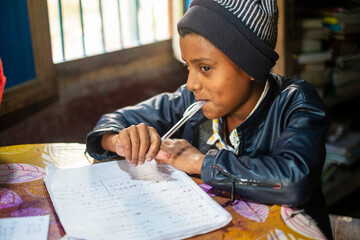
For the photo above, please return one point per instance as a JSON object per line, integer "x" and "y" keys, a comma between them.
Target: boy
{"x": 258, "y": 135}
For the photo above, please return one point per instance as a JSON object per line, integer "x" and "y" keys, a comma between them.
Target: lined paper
{"x": 115, "y": 200}
{"x": 19, "y": 228}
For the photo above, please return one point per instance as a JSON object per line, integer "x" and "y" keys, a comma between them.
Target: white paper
{"x": 66, "y": 155}
{"x": 30, "y": 228}
{"x": 113, "y": 200}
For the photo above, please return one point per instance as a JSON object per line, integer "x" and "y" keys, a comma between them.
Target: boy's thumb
{"x": 162, "y": 155}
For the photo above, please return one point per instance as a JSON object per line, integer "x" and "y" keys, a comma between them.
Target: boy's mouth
{"x": 206, "y": 102}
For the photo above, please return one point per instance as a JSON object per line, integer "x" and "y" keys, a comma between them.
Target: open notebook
{"x": 113, "y": 200}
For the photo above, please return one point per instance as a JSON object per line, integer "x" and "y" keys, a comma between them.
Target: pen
{"x": 189, "y": 112}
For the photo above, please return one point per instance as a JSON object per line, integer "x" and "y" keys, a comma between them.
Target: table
{"x": 23, "y": 193}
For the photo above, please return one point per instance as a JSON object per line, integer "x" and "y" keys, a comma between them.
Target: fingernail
{"x": 149, "y": 159}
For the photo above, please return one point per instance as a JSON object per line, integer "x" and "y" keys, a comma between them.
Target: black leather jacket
{"x": 281, "y": 151}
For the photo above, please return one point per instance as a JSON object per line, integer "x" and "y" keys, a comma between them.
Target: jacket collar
{"x": 258, "y": 115}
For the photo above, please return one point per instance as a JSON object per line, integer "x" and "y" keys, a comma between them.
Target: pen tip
{"x": 201, "y": 103}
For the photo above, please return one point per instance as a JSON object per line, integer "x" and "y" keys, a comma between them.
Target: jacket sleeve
{"x": 161, "y": 111}
{"x": 289, "y": 172}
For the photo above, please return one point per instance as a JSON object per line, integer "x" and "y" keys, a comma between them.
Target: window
{"x": 79, "y": 36}
{"x": 80, "y": 28}
{"x": 30, "y": 54}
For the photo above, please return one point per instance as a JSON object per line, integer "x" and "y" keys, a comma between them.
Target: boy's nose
{"x": 193, "y": 82}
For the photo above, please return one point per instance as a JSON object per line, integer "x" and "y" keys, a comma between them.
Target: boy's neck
{"x": 234, "y": 120}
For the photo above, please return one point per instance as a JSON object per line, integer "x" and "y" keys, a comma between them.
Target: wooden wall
{"x": 87, "y": 92}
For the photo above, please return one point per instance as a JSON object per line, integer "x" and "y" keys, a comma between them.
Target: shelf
{"x": 346, "y": 182}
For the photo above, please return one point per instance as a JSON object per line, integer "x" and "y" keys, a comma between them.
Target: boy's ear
{"x": 252, "y": 79}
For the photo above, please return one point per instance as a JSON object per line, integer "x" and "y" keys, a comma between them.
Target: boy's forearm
{"x": 108, "y": 141}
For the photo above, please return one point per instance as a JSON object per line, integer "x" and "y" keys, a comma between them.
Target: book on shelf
{"x": 322, "y": 35}
{"x": 341, "y": 159}
{"x": 346, "y": 145}
{"x": 315, "y": 33}
{"x": 310, "y": 28}
{"x": 310, "y": 67}
{"x": 347, "y": 91}
{"x": 344, "y": 151}
{"x": 316, "y": 78}
{"x": 344, "y": 77}
{"x": 345, "y": 46}
{"x": 316, "y": 74}
{"x": 345, "y": 37}
{"x": 344, "y": 27}
{"x": 306, "y": 45}
{"x": 314, "y": 57}
{"x": 348, "y": 9}
{"x": 348, "y": 61}
{"x": 309, "y": 54}
{"x": 309, "y": 23}
{"x": 342, "y": 20}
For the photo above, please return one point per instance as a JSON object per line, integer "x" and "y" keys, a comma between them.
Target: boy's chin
{"x": 211, "y": 115}
{"x": 209, "y": 112}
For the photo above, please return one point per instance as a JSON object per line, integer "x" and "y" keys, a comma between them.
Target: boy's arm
{"x": 289, "y": 175}
{"x": 160, "y": 112}
{"x": 108, "y": 141}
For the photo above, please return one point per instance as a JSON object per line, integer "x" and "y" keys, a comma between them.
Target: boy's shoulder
{"x": 283, "y": 82}
{"x": 295, "y": 89}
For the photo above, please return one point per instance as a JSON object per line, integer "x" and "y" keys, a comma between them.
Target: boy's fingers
{"x": 162, "y": 155}
{"x": 119, "y": 148}
{"x": 136, "y": 142}
{"x": 125, "y": 142}
{"x": 135, "y": 145}
{"x": 155, "y": 142}
{"x": 144, "y": 142}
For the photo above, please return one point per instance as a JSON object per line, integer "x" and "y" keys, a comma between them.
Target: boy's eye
{"x": 205, "y": 68}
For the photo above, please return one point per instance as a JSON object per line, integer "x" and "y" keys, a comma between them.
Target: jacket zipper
{"x": 248, "y": 182}
{"x": 254, "y": 183}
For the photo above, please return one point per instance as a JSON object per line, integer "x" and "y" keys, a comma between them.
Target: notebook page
{"x": 113, "y": 200}
{"x": 31, "y": 228}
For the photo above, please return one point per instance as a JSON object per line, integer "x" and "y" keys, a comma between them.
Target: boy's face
{"x": 213, "y": 77}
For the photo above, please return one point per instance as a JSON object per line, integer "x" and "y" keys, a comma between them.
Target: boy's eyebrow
{"x": 199, "y": 60}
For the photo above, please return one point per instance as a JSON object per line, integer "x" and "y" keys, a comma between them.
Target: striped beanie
{"x": 244, "y": 30}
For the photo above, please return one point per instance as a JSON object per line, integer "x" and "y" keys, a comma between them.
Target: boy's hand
{"x": 183, "y": 156}
{"x": 135, "y": 143}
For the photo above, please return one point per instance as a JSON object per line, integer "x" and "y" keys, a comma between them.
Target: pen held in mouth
{"x": 189, "y": 112}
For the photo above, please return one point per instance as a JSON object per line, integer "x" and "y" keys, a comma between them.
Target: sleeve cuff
{"x": 206, "y": 168}
{"x": 94, "y": 149}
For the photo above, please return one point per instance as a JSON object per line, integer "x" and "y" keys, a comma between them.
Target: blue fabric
{"x": 15, "y": 43}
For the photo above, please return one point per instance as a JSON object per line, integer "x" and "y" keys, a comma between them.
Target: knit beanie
{"x": 244, "y": 30}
